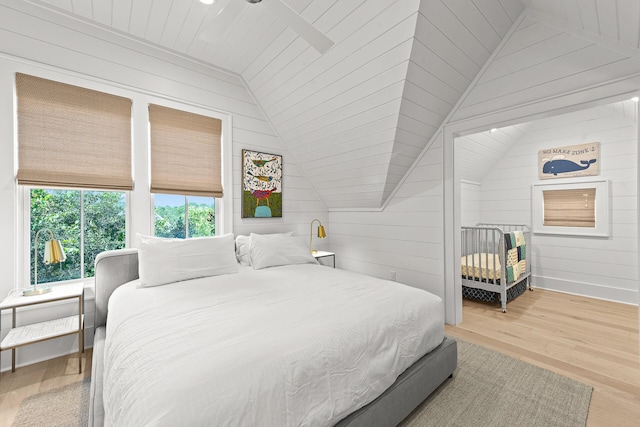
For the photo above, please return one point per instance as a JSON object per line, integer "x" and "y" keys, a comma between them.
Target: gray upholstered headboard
{"x": 113, "y": 268}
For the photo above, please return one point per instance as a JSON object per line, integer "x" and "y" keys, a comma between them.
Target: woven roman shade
{"x": 185, "y": 153}
{"x": 570, "y": 208}
{"x": 70, "y": 136}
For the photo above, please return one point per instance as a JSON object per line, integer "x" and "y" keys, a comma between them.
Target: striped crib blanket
{"x": 516, "y": 255}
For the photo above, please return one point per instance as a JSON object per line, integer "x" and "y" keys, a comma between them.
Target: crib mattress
{"x": 485, "y": 266}
{"x": 482, "y": 266}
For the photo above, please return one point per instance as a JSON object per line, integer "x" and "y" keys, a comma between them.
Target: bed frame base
{"x": 410, "y": 389}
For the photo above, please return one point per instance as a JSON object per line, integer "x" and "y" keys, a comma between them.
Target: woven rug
{"x": 487, "y": 389}
{"x": 492, "y": 389}
{"x": 66, "y": 406}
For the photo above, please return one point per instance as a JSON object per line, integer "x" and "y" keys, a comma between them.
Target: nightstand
{"x": 29, "y": 334}
{"x": 324, "y": 254}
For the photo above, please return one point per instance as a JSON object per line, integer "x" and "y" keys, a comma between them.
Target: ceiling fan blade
{"x": 222, "y": 22}
{"x": 300, "y": 25}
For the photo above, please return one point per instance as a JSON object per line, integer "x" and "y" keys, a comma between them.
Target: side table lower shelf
{"x": 42, "y": 331}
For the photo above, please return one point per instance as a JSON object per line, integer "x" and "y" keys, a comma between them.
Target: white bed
{"x": 186, "y": 335}
{"x": 257, "y": 348}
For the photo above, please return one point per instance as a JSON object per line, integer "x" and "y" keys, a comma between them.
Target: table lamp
{"x": 321, "y": 234}
{"x": 53, "y": 254}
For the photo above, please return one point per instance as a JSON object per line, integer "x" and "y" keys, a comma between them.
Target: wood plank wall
{"x": 470, "y": 203}
{"x": 406, "y": 237}
{"x": 592, "y": 266}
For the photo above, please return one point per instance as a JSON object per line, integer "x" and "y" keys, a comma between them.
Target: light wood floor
{"x": 33, "y": 379}
{"x": 589, "y": 340}
{"x": 592, "y": 341}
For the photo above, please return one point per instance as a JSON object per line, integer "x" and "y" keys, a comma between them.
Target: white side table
{"x": 42, "y": 331}
{"x": 324, "y": 254}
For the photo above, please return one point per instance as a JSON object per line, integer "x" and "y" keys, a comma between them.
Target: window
{"x": 71, "y": 138}
{"x": 185, "y": 153}
{"x": 183, "y": 216}
{"x": 85, "y": 222}
{"x": 576, "y": 207}
{"x": 186, "y": 171}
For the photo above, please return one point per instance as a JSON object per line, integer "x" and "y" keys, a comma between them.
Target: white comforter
{"x": 301, "y": 345}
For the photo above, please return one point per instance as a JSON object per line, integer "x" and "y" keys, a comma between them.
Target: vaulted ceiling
{"x": 357, "y": 116}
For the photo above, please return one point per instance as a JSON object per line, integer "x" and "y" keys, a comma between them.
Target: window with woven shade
{"x": 74, "y": 161}
{"x": 70, "y": 136}
{"x": 570, "y": 208}
{"x": 186, "y": 172}
{"x": 185, "y": 153}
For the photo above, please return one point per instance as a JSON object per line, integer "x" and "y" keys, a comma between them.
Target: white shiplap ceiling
{"x": 615, "y": 20}
{"x": 356, "y": 117}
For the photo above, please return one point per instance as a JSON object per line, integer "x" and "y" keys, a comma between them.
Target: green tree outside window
{"x": 184, "y": 216}
{"x": 62, "y": 212}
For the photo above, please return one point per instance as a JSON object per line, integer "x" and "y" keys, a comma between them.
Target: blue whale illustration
{"x": 562, "y": 166}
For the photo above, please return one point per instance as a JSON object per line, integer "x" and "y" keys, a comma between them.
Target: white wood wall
{"x": 65, "y": 49}
{"x": 470, "y": 203}
{"x": 406, "y": 237}
{"x": 597, "y": 267}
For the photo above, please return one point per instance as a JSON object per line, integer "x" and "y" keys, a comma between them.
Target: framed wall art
{"x": 576, "y": 208}
{"x": 261, "y": 185}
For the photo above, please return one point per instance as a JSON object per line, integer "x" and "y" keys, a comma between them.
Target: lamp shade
{"x": 53, "y": 252}
{"x": 321, "y": 232}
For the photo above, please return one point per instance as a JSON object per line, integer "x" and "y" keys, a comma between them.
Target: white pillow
{"x": 163, "y": 261}
{"x": 271, "y": 251}
{"x": 242, "y": 249}
{"x": 242, "y": 246}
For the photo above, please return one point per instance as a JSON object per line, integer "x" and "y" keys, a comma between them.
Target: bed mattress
{"x": 285, "y": 346}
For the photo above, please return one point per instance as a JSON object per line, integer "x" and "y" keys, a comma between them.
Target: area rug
{"x": 66, "y": 406}
{"x": 487, "y": 389}
{"x": 492, "y": 389}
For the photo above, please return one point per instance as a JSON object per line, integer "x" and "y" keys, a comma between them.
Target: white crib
{"x": 484, "y": 263}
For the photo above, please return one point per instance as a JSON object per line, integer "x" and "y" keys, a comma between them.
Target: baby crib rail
{"x": 484, "y": 261}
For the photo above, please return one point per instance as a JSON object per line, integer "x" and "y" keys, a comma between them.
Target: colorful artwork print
{"x": 261, "y": 185}
{"x": 570, "y": 161}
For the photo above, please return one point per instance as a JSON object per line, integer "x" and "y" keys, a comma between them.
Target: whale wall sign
{"x": 569, "y": 161}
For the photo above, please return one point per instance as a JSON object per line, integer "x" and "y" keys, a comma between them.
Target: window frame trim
{"x": 24, "y": 224}
{"x": 602, "y": 208}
